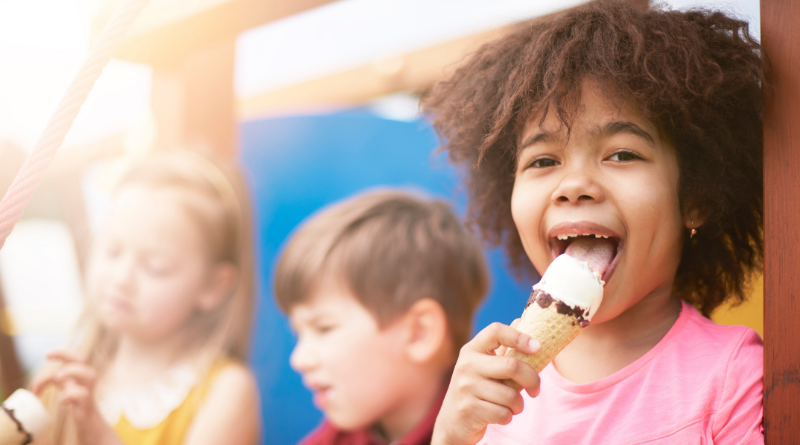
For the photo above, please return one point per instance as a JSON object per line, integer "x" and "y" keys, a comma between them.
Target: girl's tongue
{"x": 598, "y": 252}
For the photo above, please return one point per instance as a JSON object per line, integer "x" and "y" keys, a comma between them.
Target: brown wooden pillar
{"x": 12, "y": 376}
{"x": 780, "y": 35}
{"x": 193, "y": 99}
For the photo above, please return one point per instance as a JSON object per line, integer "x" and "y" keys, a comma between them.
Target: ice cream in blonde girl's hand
{"x": 628, "y": 142}
{"x": 164, "y": 339}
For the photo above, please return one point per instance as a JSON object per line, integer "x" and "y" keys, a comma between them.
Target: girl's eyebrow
{"x": 617, "y": 127}
{"x": 609, "y": 129}
{"x": 540, "y": 136}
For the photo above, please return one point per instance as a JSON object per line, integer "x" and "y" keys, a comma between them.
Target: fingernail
{"x": 534, "y": 345}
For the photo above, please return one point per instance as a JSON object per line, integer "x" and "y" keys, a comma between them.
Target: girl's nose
{"x": 303, "y": 358}
{"x": 123, "y": 273}
{"x": 578, "y": 184}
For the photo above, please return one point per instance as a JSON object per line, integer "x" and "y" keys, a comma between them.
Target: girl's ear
{"x": 224, "y": 278}
{"x": 427, "y": 331}
{"x": 693, "y": 216}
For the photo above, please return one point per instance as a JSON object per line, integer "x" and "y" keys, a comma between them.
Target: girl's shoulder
{"x": 230, "y": 411}
{"x": 213, "y": 393}
{"x": 232, "y": 375}
{"x": 698, "y": 336}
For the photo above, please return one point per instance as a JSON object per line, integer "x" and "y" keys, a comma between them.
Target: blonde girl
{"x": 164, "y": 338}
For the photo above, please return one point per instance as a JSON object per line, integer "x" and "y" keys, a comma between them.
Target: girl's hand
{"x": 476, "y": 397}
{"x": 76, "y": 380}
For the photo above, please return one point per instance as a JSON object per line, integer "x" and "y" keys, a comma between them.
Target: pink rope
{"x": 32, "y": 171}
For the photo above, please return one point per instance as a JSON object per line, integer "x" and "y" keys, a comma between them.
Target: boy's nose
{"x": 577, "y": 185}
{"x": 302, "y": 359}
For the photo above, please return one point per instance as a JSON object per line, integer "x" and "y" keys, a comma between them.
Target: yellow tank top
{"x": 173, "y": 429}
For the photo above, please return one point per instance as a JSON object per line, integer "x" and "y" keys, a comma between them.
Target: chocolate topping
{"x": 544, "y": 300}
{"x": 20, "y": 428}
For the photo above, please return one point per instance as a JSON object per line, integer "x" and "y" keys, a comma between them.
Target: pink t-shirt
{"x": 701, "y": 384}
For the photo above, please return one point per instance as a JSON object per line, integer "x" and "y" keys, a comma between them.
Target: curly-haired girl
{"x": 644, "y": 126}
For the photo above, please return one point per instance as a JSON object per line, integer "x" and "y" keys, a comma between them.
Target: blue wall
{"x": 297, "y": 165}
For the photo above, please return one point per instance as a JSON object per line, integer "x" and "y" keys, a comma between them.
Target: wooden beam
{"x": 412, "y": 72}
{"x": 780, "y": 37}
{"x": 168, "y": 45}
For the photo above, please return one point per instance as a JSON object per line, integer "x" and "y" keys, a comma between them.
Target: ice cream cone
{"x": 11, "y": 432}
{"x": 559, "y": 308}
{"x": 552, "y": 329}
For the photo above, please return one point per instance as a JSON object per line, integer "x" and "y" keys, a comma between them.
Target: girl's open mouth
{"x": 562, "y": 235}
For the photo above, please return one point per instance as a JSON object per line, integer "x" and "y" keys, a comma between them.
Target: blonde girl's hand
{"x": 476, "y": 397}
{"x": 76, "y": 380}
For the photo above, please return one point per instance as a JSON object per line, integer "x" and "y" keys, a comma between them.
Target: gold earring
{"x": 694, "y": 231}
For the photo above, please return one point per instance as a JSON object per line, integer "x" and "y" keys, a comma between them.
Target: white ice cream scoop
{"x": 27, "y": 411}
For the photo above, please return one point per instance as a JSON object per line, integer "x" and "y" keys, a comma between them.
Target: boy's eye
{"x": 325, "y": 328}
{"x": 623, "y": 156}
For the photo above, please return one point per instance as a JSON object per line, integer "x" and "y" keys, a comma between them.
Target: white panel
{"x": 351, "y": 33}
{"x": 42, "y": 287}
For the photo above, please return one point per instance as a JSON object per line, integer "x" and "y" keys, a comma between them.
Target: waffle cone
{"x": 9, "y": 433}
{"x": 553, "y": 330}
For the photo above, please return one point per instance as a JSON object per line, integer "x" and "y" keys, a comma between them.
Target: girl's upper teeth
{"x": 564, "y": 236}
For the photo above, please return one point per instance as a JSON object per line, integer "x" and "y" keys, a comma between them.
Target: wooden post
{"x": 12, "y": 376}
{"x": 780, "y": 35}
{"x": 193, "y": 100}
{"x": 192, "y": 56}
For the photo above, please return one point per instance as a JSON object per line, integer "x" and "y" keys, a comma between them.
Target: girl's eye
{"x": 112, "y": 251}
{"x": 156, "y": 269}
{"x": 623, "y": 156}
{"x": 543, "y": 163}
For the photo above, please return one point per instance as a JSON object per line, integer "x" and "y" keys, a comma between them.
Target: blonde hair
{"x": 391, "y": 249}
{"x": 215, "y": 196}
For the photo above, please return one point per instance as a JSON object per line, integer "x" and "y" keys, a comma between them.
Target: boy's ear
{"x": 224, "y": 278}
{"x": 427, "y": 331}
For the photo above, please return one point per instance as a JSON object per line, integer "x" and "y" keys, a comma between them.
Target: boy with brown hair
{"x": 381, "y": 289}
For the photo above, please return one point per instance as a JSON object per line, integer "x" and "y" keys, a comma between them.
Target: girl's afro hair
{"x": 697, "y": 75}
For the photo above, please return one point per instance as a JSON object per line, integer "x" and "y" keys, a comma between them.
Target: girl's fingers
{"x": 42, "y": 380}
{"x": 77, "y": 372}
{"x": 506, "y": 368}
{"x": 493, "y": 413}
{"x": 78, "y": 399}
{"x": 72, "y": 371}
{"x": 502, "y": 349}
{"x": 65, "y": 356}
{"x": 497, "y": 334}
{"x": 499, "y": 394}
{"x": 466, "y": 421}
{"x": 75, "y": 395}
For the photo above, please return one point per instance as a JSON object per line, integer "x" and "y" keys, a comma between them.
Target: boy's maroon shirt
{"x": 327, "y": 434}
